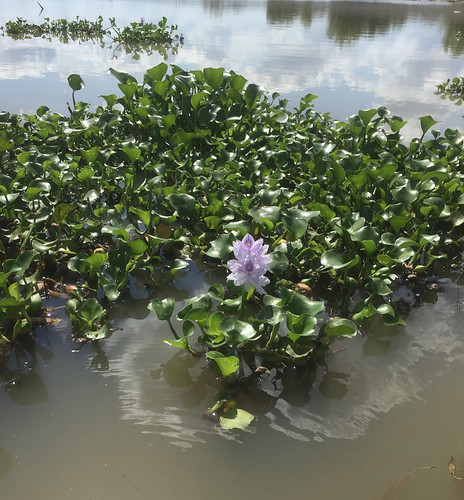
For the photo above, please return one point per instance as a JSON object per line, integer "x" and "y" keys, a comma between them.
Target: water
{"x": 124, "y": 419}
{"x": 354, "y": 55}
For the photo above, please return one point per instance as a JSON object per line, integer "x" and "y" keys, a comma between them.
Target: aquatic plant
{"x": 452, "y": 89}
{"x": 139, "y": 37}
{"x": 202, "y": 164}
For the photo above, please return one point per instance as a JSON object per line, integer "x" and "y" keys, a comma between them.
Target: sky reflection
{"x": 354, "y": 55}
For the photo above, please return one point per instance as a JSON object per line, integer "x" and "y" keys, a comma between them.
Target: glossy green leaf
{"x": 75, "y": 82}
{"x": 235, "y": 419}
{"x": 236, "y": 331}
{"x": 228, "y": 365}
{"x": 221, "y": 247}
{"x": 296, "y": 303}
{"x": 340, "y": 327}
{"x": 158, "y": 72}
{"x": 183, "y": 203}
{"x": 366, "y": 116}
{"x": 426, "y": 122}
{"x": 163, "y": 308}
{"x": 214, "y": 77}
{"x": 335, "y": 260}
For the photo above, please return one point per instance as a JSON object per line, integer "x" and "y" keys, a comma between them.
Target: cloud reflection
{"x": 167, "y": 392}
{"x": 354, "y": 55}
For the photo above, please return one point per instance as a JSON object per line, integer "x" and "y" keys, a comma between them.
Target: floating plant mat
{"x": 333, "y": 224}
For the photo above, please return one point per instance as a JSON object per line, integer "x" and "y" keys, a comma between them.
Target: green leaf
{"x": 75, "y": 82}
{"x": 62, "y": 210}
{"x": 400, "y": 255}
{"x": 299, "y": 304}
{"x": 271, "y": 314}
{"x": 128, "y": 89}
{"x": 111, "y": 291}
{"x": 366, "y": 233}
{"x": 296, "y": 227}
{"x": 144, "y": 215}
{"x": 426, "y": 122}
{"x": 267, "y": 216}
{"x": 366, "y": 116}
{"x": 158, "y": 72}
{"x": 101, "y": 333}
{"x": 221, "y": 247}
{"x": 340, "y": 327}
{"x": 235, "y": 419}
{"x": 335, "y": 260}
{"x": 396, "y": 125}
{"x": 397, "y": 222}
{"x": 386, "y": 309}
{"x": 91, "y": 310}
{"x": 137, "y": 247}
{"x": 236, "y": 331}
{"x": 132, "y": 152}
{"x": 122, "y": 77}
{"x": 278, "y": 263}
{"x": 405, "y": 195}
{"x": 227, "y": 365}
{"x": 188, "y": 328}
{"x": 180, "y": 343}
{"x": 163, "y": 308}
{"x": 21, "y": 327}
{"x": 252, "y": 93}
{"x": 300, "y": 325}
{"x": 214, "y": 77}
{"x": 179, "y": 264}
{"x": 381, "y": 286}
{"x": 183, "y": 203}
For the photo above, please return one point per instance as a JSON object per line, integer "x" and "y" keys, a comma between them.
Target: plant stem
{"x": 173, "y": 330}
{"x": 273, "y": 336}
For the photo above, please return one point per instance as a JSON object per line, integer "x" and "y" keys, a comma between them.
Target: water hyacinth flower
{"x": 250, "y": 264}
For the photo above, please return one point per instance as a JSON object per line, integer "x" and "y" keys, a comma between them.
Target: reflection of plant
{"x": 139, "y": 37}
{"x": 452, "y": 90}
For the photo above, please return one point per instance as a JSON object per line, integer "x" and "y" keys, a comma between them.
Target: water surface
{"x": 354, "y": 55}
{"x": 124, "y": 418}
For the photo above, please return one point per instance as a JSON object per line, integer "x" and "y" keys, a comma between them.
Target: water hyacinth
{"x": 250, "y": 264}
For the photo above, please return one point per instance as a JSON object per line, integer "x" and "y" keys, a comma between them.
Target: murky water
{"x": 123, "y": 419}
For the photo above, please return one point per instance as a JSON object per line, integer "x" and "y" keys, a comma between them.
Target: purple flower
{"x": 250, "y": 263}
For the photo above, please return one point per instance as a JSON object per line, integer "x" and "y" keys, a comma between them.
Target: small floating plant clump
{"x": 139, "y": 37}
{"x": 452, "y": 89}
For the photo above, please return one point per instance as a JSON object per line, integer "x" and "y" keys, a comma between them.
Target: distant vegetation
{"x": 138, "y": 37}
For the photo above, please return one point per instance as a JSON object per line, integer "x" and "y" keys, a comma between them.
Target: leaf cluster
{"x": 452, "y": 89}
{"x": 183, "y": 163}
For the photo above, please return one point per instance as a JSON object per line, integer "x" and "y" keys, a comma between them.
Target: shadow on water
{"x": 18, "y": 370}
